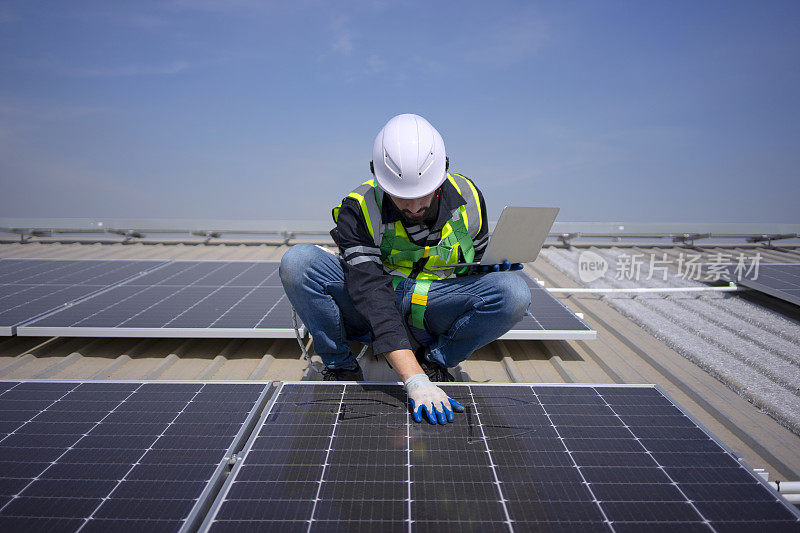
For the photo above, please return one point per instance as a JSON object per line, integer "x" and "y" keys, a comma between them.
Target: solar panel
{"x": 108, "y": 456}
{"x": 548, "y": 318}
{"x": 237, "y": 299}
{"x": 32, "y": 287}
{"x": 182, "y": 299}
{"x": 333, "y": 456}
{"x": 779, "y": 280}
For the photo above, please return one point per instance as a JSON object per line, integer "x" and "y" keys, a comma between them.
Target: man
{"x": 391, "y": 284}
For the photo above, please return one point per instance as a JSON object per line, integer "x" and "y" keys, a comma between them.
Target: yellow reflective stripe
{"x": 477, "y": 203}
{"x": 453, "y": 181}
{"x": 364, "y": 210}
{"x": 419, "y": 299}
{"x": 427, "y": 252}
{"x": 474, "y": 195}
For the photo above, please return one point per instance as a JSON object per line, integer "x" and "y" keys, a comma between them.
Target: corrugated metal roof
{"x": 628, "y": 349}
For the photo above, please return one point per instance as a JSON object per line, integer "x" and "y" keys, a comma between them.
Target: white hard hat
{"x": 408, "y": 157}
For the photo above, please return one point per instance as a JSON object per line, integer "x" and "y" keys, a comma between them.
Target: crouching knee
{"x": 295, "y": 263}
{"x": 515, "y": 295}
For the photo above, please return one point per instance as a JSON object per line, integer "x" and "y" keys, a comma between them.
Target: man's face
{"x": 414, "y": 209}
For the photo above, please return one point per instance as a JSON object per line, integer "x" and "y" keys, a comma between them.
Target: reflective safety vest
{"x": 401, "y": 257}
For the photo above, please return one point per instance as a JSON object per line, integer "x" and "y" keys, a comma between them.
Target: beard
{"x": 427, "y": 215}
{"x": 416, "y": 217}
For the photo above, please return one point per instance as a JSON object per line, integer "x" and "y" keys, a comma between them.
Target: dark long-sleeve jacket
{"x": 369, "y": 286}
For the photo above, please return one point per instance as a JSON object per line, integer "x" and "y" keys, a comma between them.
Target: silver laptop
{"x": 518, "y": 235}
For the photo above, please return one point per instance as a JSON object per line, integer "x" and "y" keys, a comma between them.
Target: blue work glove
{"x": 502, "y": 267}
{"x": 426, "y": 397}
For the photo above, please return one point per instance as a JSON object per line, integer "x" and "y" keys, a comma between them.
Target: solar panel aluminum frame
{"x": 214, "y": 507}
{"x": 14, "y": 329}
{"x": 190, "y": 333}
{"x": 550, "y": 334}
{"x": 222, "y": 495}
{"x": 206, "y": 498}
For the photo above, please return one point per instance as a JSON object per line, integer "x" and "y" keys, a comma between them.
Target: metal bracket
{"x": 25, "y": 235}
{"x": 207, "y": 234}
{"x": 689, "y": 238}
{"x": 763, "y": 473}
{"x": 287, "y": 236}
{"x": 565, "y": 238}
{"x": 128, "y": 234}
{"x": 773, "y": 237}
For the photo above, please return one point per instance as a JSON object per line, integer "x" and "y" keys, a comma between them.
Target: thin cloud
{"x": 342, "y": 36}
{"x": 509, "y": 44}
{"x": 431, "y": 65}
{"x": 343, "y": 44}
{"x": 375, "y": 64}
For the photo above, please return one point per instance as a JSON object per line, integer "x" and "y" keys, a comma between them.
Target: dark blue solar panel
{"x": 538, "y": 458}
{"x": 781, "y": 281}
{"x": 204, "y": 298}
{"x": 31, "y": 287}
{"x": 547, "y": 313}
{"x": 102, "y": 457}
{"x": 191, "y": 298}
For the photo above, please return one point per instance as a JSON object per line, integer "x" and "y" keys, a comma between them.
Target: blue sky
{"x": 613, "y": 111}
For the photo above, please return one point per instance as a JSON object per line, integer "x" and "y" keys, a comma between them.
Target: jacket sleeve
{"x": 369, "y": 286}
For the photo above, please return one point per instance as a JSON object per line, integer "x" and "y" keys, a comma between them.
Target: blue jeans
{"x": 462, "y": 314}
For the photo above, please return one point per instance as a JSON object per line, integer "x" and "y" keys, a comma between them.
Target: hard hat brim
{"x": 410, "y": 191}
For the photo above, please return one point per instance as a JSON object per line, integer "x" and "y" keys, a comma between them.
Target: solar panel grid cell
{"x": 348, "y": 457}
{"x": 106, "y": 468}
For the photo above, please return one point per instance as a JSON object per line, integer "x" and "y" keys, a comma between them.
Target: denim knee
{"x": 295, "y": 263}
{"x": 514, "y": 293}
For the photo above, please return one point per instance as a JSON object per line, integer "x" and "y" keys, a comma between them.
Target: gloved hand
{"x": 502, "y": 267}
{"x": 427, "y": 397}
